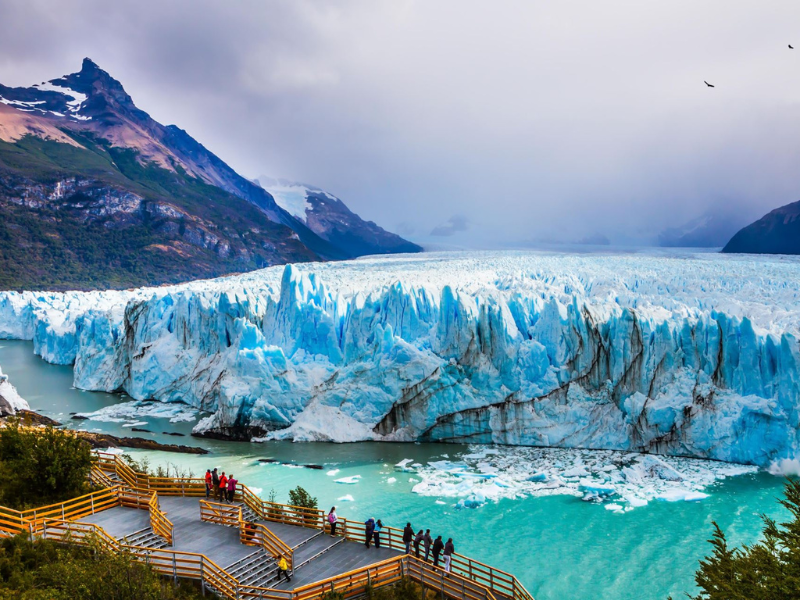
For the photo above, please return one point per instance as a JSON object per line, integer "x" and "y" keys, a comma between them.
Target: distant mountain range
{"x": 777, "y": 232}
{"x": 711, "y": 230}
{"x": 94, "y": 193}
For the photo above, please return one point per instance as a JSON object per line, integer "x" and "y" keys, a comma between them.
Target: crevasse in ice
{"x": 694, "y": 355}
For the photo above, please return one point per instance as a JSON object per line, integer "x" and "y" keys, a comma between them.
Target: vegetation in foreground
{"x": 767, "y": 570}
{"x": 44, "y": 570}
{"x": 40, "y": 466}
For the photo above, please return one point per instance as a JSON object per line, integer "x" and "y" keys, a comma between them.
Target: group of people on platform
{"x": 223, "y": 487}
{"x": 422, "y": 540}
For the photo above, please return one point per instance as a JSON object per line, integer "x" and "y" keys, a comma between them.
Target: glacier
{"x": 692, "y": 355}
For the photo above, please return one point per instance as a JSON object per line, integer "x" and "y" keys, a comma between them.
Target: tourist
{"x": 408, "y": 537}
{"x": 231, "y": 488}
{"x": 369, "y": 529}
{"x": 209, "y": 483}
{"x": 215, "y": 482}
{"x": 438, "y": 546}
{"x": 428, "y": 540}
{"x": 283, "y": 569}
{"x": 223, "y": 487}
{"x": 417, "y": 542}
{"x": 449, "y": 548}
{"x": 332, "y": 520}
{"x": 376, "y": 534}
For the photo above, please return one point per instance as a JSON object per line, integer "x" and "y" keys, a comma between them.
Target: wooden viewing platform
{"x": 233, "y": 549}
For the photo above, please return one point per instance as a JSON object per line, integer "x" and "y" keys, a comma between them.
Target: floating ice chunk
{"x": 677, "y": 495}
{"x": 614, "y": 507}
{"x": 349, "y": 480}
{"x": 578, "y": 471}
{"x": 440, "y": 502}
{"x": 590, "y": 486}
{"x": 347, "y": 498}
{"x": 391, "y": 480}
{"x": 136, "y": 424}
{"x": 332, "y": 472}
{"x": 403, "y": 465}
{"x": 537, "y": 477}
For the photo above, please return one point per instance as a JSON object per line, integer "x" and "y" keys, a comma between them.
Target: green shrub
{"x": 767, "y": 570}
{"x": 40, "y": 466}
{"x": 44, "y": 570}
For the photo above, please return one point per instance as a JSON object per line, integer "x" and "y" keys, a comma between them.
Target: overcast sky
{"x": 497, "y": 122}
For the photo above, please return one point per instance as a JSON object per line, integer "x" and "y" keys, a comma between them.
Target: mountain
{"x": 329, "y": 218}
{"x": 711, "y": 230}
{"x": 777, "y": 232}
{"x": 95, "y": 193}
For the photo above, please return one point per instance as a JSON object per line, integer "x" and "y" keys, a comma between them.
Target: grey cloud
{"x": 531, "y": 117}
{"x": 453, "y": 225}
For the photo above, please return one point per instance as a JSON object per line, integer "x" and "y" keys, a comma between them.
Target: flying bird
{"x": 708, "y": 84}
{"x": 791, "y": 47}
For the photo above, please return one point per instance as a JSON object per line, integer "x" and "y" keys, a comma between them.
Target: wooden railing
{"x": 79, "y": 533}
{"x": 221, "y": 514}
{"x": 159, "y": 522}
{"x": 255, "y": 534}
{"x": 12, "y": 522}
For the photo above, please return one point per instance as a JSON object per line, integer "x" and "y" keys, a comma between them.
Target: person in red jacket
{"x": 208, "y": 483}
{"x": 223, "y": 487}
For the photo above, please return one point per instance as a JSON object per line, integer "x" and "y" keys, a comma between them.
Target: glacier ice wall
{"x": 695, "y": 356}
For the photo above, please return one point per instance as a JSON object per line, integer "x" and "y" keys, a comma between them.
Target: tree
{"x": 41, "y": 466}
{"x": 299, "y": 497}
{"x": 767, "y": 570}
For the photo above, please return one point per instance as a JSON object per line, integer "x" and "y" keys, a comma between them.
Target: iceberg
{"x": 692, "y": 355}
{"x": 10, "y": 400}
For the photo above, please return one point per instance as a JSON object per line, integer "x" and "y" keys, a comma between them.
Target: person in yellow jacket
{"x": 283, "y": 569}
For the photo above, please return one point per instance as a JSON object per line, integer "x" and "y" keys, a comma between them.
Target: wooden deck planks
{"x": 119, "y": 520}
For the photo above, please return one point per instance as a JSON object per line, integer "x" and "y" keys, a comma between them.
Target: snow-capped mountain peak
{"x": 331, "y": 219}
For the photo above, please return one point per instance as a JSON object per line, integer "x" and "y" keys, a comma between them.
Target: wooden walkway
{"x": 317, "y": 555}
{"x": 233, "y": 549}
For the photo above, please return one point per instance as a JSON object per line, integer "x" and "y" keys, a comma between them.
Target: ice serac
{"x": 694, "y": 356}
{"x": 10, "y": 400}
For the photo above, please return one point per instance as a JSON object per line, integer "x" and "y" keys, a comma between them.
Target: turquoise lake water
{"x": 559, "y": 546}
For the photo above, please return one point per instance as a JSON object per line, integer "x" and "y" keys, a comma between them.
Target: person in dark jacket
{"x": 428, "y": 540}
{"x": 215, "y": 482}
{"x": 438, "y": 546}
{"x": 417, "y": 542}
{"x": 449, "y": 549}
{"x": 376, "y": 534}
{"x": 408, "y": 537}
{"x": 369, "y": 529}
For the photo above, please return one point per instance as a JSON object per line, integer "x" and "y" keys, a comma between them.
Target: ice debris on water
{"x": 624, "y": 479}
{"x": 123, "y": 412}
{"x": 346, "y": 498}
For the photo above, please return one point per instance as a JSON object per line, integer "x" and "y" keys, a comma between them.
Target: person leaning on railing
{"x": 449, "y": 549}
{"x": 231, "y": 488}
{"x": 209, "y": 482}
{"x": 408, "y": 537}
{"x": 332, "y": 520}
{"x": 215, "y": 482}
